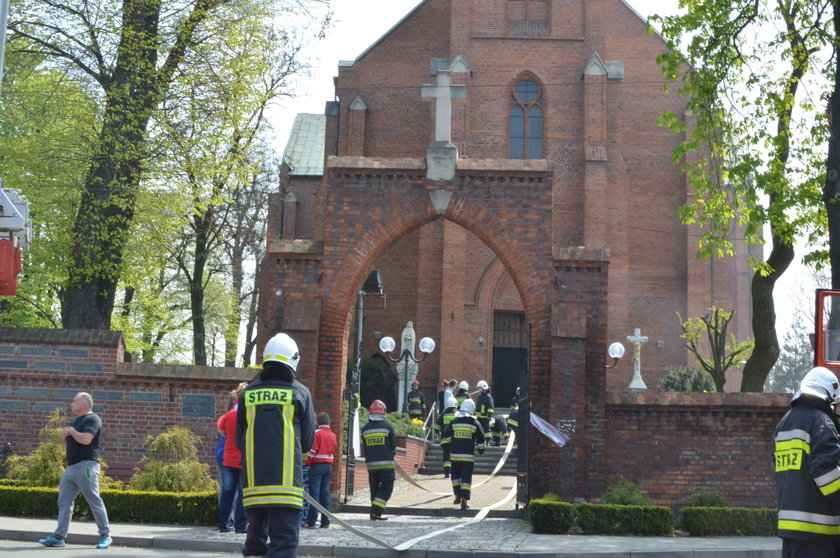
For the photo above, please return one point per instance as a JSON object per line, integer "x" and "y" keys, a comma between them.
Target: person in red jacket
{"x": 231, "y": 489}
{"x": 320, "y": 462}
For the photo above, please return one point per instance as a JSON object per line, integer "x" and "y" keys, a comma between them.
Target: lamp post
{"x": 387, "y": 345}
{"x": 616, "y": 351}
{"x": 372, "y": 286}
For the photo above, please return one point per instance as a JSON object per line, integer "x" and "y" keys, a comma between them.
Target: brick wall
{"x": 42, "y": 369}
{"x": 671, "y": 443}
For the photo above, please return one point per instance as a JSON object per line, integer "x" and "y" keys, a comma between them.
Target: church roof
{"x": 305, "y": 149}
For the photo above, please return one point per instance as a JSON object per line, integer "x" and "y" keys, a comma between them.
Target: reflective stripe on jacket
{"x": 464, "y": 434}
{"x": 807, "y": 454}
{"x": 275, "y": 427}
{"x": 380, "y": 443}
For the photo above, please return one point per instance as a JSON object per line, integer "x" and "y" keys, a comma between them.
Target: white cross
{"x": 637, "y": 339}
{"x": 443, "y": 92}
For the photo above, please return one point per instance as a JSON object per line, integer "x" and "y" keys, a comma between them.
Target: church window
{"x": 526, "y": 121}
{"x": 528, "y": 18}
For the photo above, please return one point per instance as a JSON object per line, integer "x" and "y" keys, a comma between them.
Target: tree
{"x": 129, "y": 52}
{"x": 751, "y": 73}
{"x": 795, "y": 360}
{"x": 724, "y": 349}
{"x": 45, "y": 138}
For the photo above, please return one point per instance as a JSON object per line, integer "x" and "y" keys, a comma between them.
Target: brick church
{"x": 499, "y": 163}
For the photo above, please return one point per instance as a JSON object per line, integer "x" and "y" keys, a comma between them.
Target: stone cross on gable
{"x": 637, "y": 339}
{"x": 443, "y": 92}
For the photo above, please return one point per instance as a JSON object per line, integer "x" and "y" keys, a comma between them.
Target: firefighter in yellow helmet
{"x": 275, "y": 427}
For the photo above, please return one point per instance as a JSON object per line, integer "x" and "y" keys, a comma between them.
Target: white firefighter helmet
{"x": 820, "y": 382}
{"x": 464, "y": 385}
{"x": 483, "y": 385}
{"x": 468, "y": 407}
{"x": 492, "y": 422}
{"x": 282, "y": 348}
{"x": 451, "y": 402}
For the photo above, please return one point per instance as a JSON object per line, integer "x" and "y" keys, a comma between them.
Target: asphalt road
{"x": 33, "y": 549}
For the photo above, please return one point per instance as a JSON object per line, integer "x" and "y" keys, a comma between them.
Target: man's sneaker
{"x": 52, "y": 540}
{"x": 104, "y": 541}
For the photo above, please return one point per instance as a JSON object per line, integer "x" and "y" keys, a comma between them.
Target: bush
{"x": 172, "y": 465}
{"x": 45, "y": 465}
{"x": 123, "y": 505}
{"x": 702, "y": 498}
{"x": 704, "y": 522}
{"x": 625, "y": 493}
{"x": 551, "y": 517}
{"x": 687, "y": 378}
{"x": 600, "y": 519}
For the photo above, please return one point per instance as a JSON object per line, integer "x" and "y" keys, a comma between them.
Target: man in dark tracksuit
{"x": 443, "y": 420}
{"x": 379, "y": 442}
{"x": 466, "y": 436}
{"x": 416, "y": 402}
{"x": 484, "y": 406}
{"x": 275, "y": 427}
{"x": 807, "y": 458}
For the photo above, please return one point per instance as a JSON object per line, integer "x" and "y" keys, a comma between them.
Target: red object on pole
{"x": 10, "y": 262}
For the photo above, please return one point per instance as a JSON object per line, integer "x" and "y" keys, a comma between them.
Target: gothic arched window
{"x": 526, "y": 121}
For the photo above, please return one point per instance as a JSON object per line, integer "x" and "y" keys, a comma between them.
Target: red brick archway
{"x": 368, "y": 204}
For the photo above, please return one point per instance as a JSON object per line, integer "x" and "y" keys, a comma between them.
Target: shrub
{"x": 172, "y": 465}
{"x": 551, "y": 517}
{"x": 551, "y": 497}
{"x": 122, "y": 505}
{"x": 45, "y": 465}
{"x": 703, "y": 498}
{"x": 687, "y": 378}
{"x": 600, "y": 519}
{"x": 704, "y": 522}
{"x": 625, "y": 493}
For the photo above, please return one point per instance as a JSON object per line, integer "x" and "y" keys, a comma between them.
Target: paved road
{"x": 35, "y": 550}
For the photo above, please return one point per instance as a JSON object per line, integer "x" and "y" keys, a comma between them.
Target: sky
{"x": 360, "y": 23}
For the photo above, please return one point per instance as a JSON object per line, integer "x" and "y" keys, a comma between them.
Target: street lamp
{"x": 616, "y": 351}
{"x": 372, "y": 286}
{"x": 387, "y": 345}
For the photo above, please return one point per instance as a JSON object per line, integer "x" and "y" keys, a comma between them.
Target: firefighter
{"x": 380, "y": 443}
{"x": 416, "y": 402}
{"x": 463, "y": 392}
{"x": 466, "y": 436}
{"x": 440, "y": 425}
{"x": 484, "y": 406}
{"x": 807, "y": 456}
{"x": 514, "y": 403}
{"x": 275, "y": 427}
{"x": 498, "y": 430}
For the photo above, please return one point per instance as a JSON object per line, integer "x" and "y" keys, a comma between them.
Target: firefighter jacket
{"x": 513, "y": 418}
{"x": 484, "y": 406}
{"x": 416, "y": 404}
{"x": 461, "y": 396}
{"x": 465, "y": 435}
{"x": 380, "y": 443}
{"x": 444, "y": 419}
{"x": 275, "y": 427}
{"x": 807, "y": 473}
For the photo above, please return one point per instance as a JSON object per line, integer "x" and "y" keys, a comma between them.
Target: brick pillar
{"x": 596, "y": 227}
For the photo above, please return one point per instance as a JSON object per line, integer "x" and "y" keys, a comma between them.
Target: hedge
{"x": 198, "y": 508}
{"x": 551, "y": 517}
{"x": 603, "y": 519}
{"x": 555, "y": 517}
{"x": 759, "y": 522}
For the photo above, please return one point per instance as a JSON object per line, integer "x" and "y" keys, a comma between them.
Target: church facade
{"x": 499, "y": 163}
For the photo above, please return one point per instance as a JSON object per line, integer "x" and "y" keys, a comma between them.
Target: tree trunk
{"x": 766, "y": 350}
{"x": 234, "y": 316}
{"x": 196, "y": 283}
{"x": 250, "y": 341}
{"x": 831, "y": 192}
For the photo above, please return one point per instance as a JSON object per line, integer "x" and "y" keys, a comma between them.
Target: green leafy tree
{"x": 796, "y": 358}
{"x": 128, "y": 53}
{"x": 755, "y": 126}
{"x": 723, "y": 349}
{"x": 45, "y": 139}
